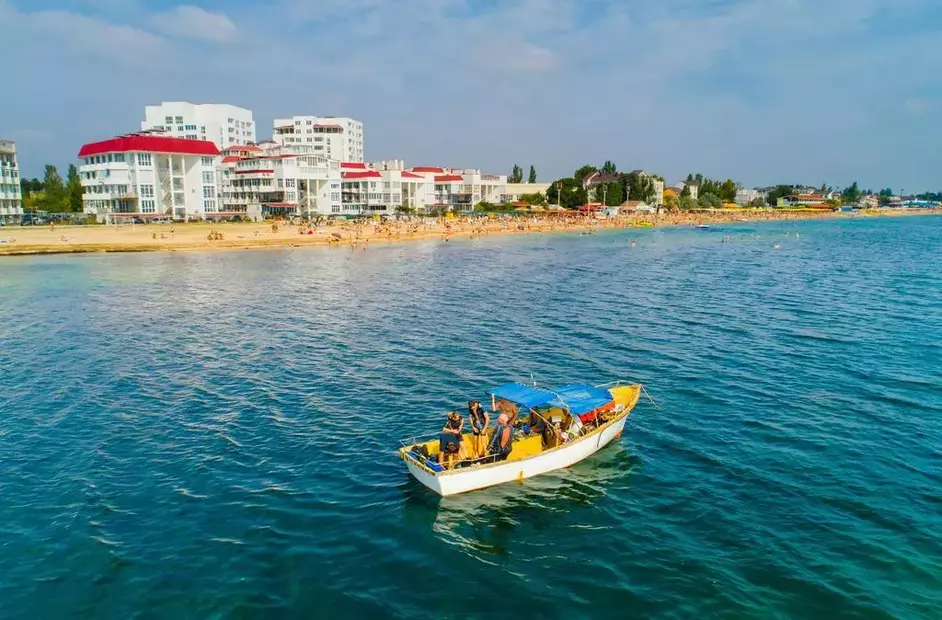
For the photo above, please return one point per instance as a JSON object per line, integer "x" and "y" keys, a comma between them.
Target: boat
{"x": 575, "y": 422}
{"x": 702, "y": 226}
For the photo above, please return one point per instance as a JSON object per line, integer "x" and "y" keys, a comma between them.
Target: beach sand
{"x": 197, "y": 236}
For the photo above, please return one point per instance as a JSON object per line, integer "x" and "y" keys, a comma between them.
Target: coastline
{"x": 245, "y": 236}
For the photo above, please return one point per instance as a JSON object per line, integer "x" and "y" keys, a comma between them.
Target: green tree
{"x": 532, "y": 177}
{"x": 685, "y": 192}
{"x": 567, "y": 193}
{"x": 852, "y": 194}
{"x": 758, "y": 203}
{"x": 583, "y": 172}
{"x": 727, "y": 191}
{"x": 640, "y": 187}
{"x": 517, "y": 175}
{"x": 55, "y": 198}
{"x": 533, "y": 199}
{"x": 609, "y": 167}
{"x": 779, "y": 191}
{"x": 74, "y": 189}
{"x": 404, "y": 208}
{"x": 710, "y": 201}
{"x": 672, "y": 202}
{"x": 687, "y": 202}
{"x": 611, "y": 193}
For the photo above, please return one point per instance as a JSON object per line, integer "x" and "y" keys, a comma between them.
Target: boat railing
{"x": 411, "y": 441}
{"x": 617, "y": 383}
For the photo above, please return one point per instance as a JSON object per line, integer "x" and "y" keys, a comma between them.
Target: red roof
{"x": 149, "y": 144}
{"x": 228, "y": 159}
{"x": 444, "y": 178}
{"x": 240, "y": 147}
{"x": 368, "y": 174}
{"x": 427, "y": 169}
{"x": 352, "y": 165}
{"x": 409, "y": 175}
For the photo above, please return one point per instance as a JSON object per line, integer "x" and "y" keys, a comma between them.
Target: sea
{"x": 214, "y": 435}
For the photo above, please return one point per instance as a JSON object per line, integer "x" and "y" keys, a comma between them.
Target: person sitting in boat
{"x": 450, "y": 443}
{"x": 502, "y": 439}
{"x": 479, "y": 422}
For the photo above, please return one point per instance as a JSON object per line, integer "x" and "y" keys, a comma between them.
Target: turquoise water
{"x": 213, "y": 435}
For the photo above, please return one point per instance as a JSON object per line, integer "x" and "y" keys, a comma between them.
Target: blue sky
{"x": 762, "y": 91}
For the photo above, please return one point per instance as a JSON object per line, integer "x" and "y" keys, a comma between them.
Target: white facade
{"x": 515, "y": 190}
{"x": 278, "y": 181}
{"x": 746, "y": 196}
{"x": 11, "y": 200}
{"x": 222, "y": 124}
{"x": 149, "y": 176}
{"x": 326, "y": 136}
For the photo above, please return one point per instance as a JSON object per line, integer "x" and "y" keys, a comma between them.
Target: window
{"x": 207, "y": 161}
{"x": 209, "y": 191}
{"x": 192, "y": 137}
{"x": 168, "y": 120}
{"x": 209, "y": 177}
{"x": 119, "y": 157}
{"x": 335, "y": 196}
{"x": 143, "y": 159}
{"x": 147, "y": 191}
{"x": 289, "y": 182}
{"x": 110, "y": 157}
{"x": 179, "y": 120}
{"x": 191, "y": 127}
{"x": 202, "y": 129}
{"x": 209, "y": 206}
{"x": 148, "y": 206}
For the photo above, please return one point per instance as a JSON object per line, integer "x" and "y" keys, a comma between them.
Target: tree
{"x": 672, "y": 202}
{"x": 532, "y": 177}
{"x": 404, "y": 208}
{"x": 727, "y": 191}
{"x": 710, "y": 201}
{"x": 687, "y": 202}
{"x": 609, "y": 168}
{"x": 74, "y": 189}
{"x": 533, "y": 199}
{"x": 583, "y": 172}
{"x": 685, "y": 192}
{"x": 640, "y": 187}
{"x": 567, "y": 193}
{"x": 55, "y": 199}
{"x": 779, "y": 191}
{"x": 852, "y": 194}
{"x": 517, "y": 175}
{"x": 611, "y": 193}
{"x": 757, "y": 203}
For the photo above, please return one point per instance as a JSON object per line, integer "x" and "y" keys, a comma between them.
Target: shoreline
{"x": 32, "y": 241}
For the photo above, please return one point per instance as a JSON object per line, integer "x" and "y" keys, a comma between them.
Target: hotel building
{"x": 11, "y": 200}
{"x": 271, "y": 180}
{"x": 149, "y": 175}
{"x": 222, "y": 124}
{"x": 326, "y": 136}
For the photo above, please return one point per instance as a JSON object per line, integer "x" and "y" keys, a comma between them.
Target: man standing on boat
{"x": 502, "y": 440}
{"x": 479, "y": 422}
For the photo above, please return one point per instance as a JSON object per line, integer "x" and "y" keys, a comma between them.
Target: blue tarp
{"x": 524, "y": 395}
{"x": 581, "y": 398}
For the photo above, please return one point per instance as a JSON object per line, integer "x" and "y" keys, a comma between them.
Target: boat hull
{"x": 458, "y": 481}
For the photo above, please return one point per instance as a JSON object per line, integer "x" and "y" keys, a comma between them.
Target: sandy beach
{"x": 221, "y": 236}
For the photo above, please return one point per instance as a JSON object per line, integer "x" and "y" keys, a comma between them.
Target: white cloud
{"x": 192, "y": 22}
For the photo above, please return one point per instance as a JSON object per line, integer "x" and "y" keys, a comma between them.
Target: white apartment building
{"x": 149, "y": 175}
{"x": 379, "y": 188}
{"x": 222, "y": 124}
{"x": 271, "y": 180}
{"x": 11, "y": 200}
{"x": 327, "y": 136}
{"x": 745, "y": 196}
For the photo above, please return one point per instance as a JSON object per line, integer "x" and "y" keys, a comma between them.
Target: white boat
{"x": 576, "y": 421}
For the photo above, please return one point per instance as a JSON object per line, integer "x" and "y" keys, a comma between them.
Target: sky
{"x": 761, "y": 91}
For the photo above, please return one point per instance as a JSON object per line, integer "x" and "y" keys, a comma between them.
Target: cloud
{"x": 195, "y": 23}
{"x": 731, "y": 88}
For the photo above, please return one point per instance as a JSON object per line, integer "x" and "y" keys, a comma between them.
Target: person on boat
{"x": 502, "y": 439}
{"x": 479, "y": 422}
{"x": 450, "y": 443}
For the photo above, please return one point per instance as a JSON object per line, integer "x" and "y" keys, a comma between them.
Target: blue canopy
{"x": 581, "y": 398}
{"x": 524, "y": 395}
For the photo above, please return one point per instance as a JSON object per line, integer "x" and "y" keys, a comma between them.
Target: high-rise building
{"x": 148, "y": 176}
{"x": 327, "y": 136}
{"x": 11, "y": 199}
{"x": 222, "y": 124}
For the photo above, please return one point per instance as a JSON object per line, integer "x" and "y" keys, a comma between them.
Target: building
{"x": 11, "y": 199}
{"x": 516, "y": 190}
{"x": 692, "y": 187}
{"x": 747, "y": 196}
{"x": 335, "y": 138}
{"x": 149, "y": 175}
{"x": 658, "y": 185}
{"x": 222, "y": 124}
{"x": 271, "y": 180}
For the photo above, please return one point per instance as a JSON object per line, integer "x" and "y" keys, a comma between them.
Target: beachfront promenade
{"x": 359, "y": 234}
